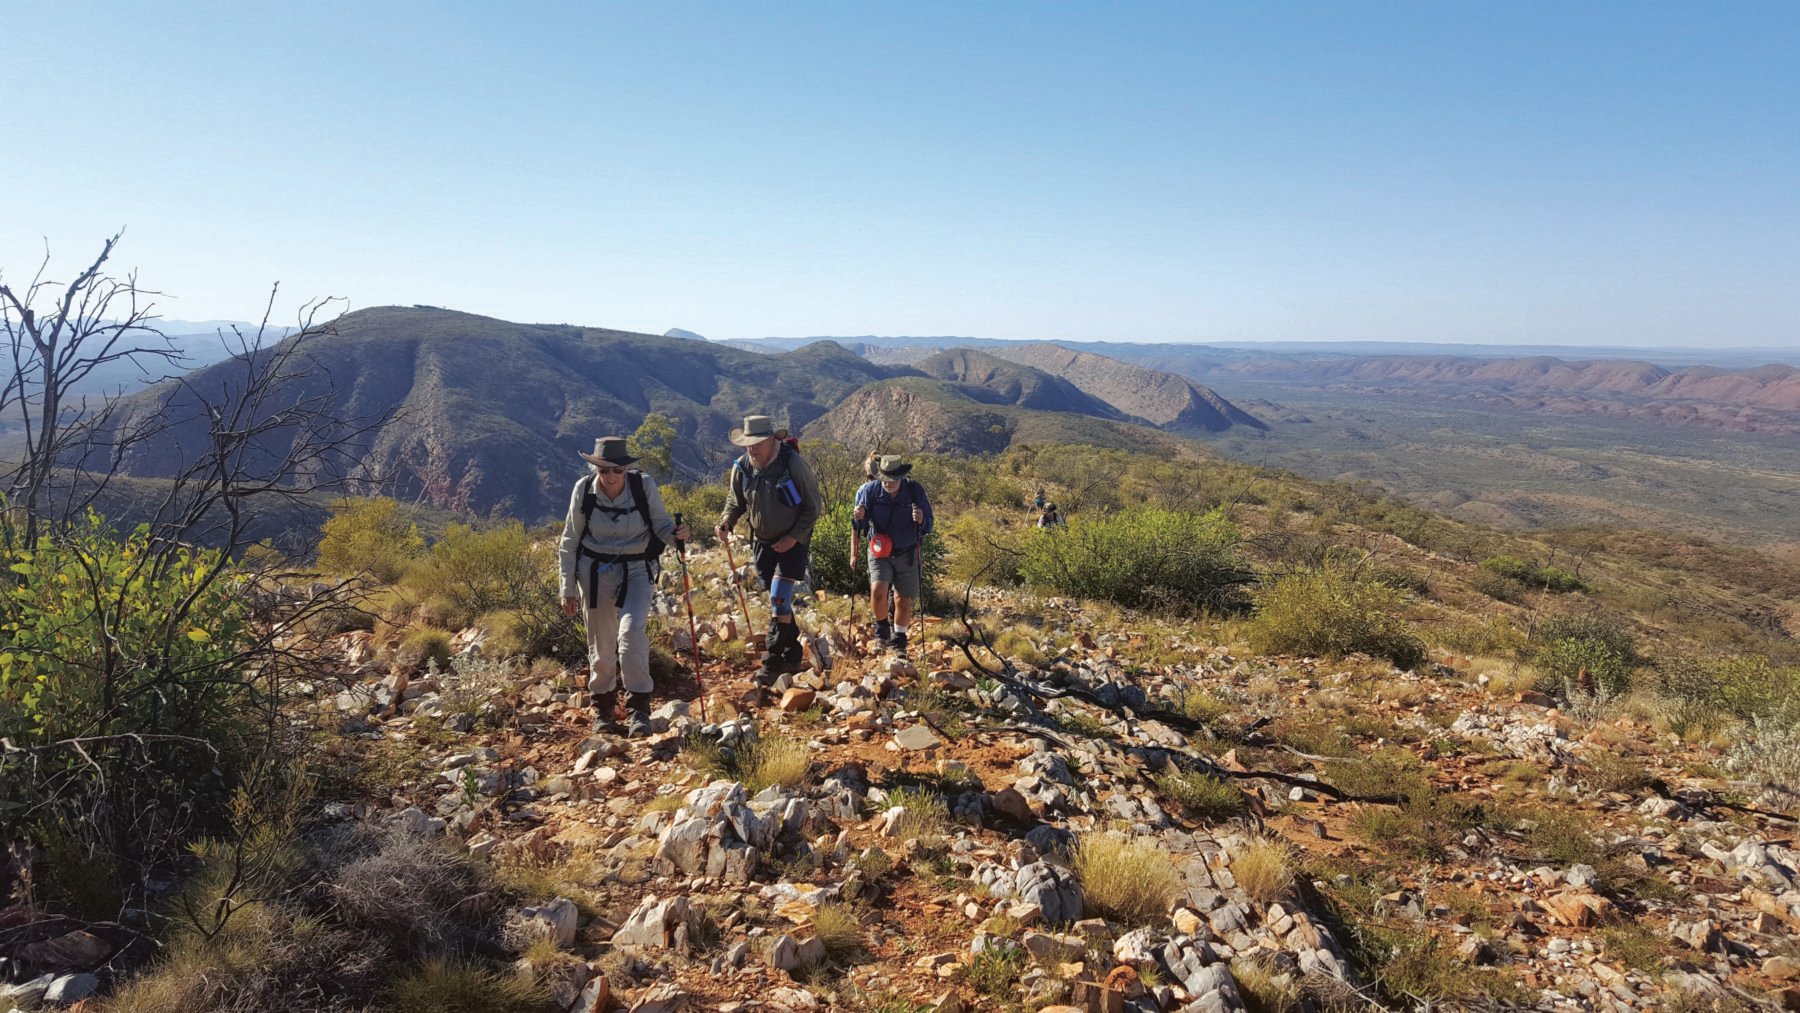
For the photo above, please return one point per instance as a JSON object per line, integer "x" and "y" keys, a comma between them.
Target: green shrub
{"x": 1128, "y": 880}
{"x": 1325, "y": 612}
{"x": 478, "y": 571}
{"x": 138, "y": 647}
{"x": 699, "y": 505}
{"x": 1399, "y": 578}
{"x": 1497, "y": 586}
{"x": 981, "y": 550}
{"x": 1141, "y": 558}
{"x": 369, "y": 536}
{"x": 1532, "y": 574}
{"x": 1571, "y": 649}
{"x": 426, "y": 645}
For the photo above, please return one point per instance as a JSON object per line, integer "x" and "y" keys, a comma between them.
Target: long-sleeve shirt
{"x": 756, "y": 493}
{"x": 614, "y": 528}
{"x": 891, "y": 515}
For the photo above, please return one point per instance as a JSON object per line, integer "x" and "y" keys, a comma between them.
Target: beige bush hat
{"x": 757, "y": 428}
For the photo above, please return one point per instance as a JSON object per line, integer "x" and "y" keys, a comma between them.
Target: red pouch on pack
{"x": 881, "y": 547}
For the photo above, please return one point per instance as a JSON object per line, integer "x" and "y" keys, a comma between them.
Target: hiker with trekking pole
{"x": 774, "y": 488}
{"x": 895, "y": 514}
{"x": 612, "y": 542}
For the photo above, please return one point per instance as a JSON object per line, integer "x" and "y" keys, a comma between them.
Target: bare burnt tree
{"x": 58, "y": 335}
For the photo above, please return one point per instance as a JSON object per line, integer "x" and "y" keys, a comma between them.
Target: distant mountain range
{"x": 485, "y": 415}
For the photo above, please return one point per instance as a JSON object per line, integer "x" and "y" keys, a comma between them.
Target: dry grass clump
{"x": 1130, "y": 881}
{"x": 840, "y": 930}
{"x": 1264, "y": 990}
{"x": 770, "y": 760}
{"x": 452, "y": 986}
{"x": 1263, "y": 869}
{"x": 407, "y": 888}
{"x": 776, "y": 760}
{"x": 1209, "y": 798}
{"x": 926, "y": 815}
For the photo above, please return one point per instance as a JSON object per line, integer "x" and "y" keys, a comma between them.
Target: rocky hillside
{"x": 477, "y": 415}
{"x": 941, "y": 416}
{"x": 1162, "y": 399}
{"x": 1132, "y": 816}
{"x": 994, "y": 380}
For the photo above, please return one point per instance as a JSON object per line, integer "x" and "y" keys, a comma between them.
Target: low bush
{"x": 1141, "y": 558}
{"x": 840, "y": 930}
{"x": 370, "y": 536}
{"x": 1770, "y": 754}
{"x": 926, "y": 813}
{"x": 982, "y": 551}
{"x": 1586, "y": 652}
{"x": 1127, "y": 880}
{"x": 425, "y": 646}
{"x": 770, "y": 760}
{"x": 1326, "y": 612}
{"x": 1497, "y": 587}
{"x": 478, "y": 571}
{"x": 1532, "y": 574}
{"x": 126, "y": 701}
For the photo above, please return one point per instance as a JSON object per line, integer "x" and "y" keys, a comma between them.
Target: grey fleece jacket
{"x": 608, "y": 534}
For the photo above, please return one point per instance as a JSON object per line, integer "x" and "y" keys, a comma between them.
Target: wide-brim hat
{"x": 609, "y": 450}
{"x": 757, "y": 428}
{"x": 892, "y": 466}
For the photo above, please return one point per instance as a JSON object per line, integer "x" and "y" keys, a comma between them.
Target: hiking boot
{"x": 884, "y": 632}
{"x": 637, "y": 705}
{"x": 606, "y": 714}
{"x": 785, "y": 656}
{"x": 897, "y": 643}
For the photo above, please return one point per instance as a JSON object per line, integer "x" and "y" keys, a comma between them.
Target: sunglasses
{"x": 609, "y": 471}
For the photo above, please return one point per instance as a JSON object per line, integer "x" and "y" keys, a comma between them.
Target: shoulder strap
{"x": 635, "y": 479}
{"x": 588, "y": 502}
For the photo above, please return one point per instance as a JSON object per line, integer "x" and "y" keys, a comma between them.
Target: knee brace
{"x": 781, "y": 596}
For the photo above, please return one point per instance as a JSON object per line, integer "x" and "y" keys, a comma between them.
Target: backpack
{"x": 787, "y": 488}
{"x": 590, "y": 501}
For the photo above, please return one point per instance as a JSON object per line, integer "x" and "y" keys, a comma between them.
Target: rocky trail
{"x": 901, "y": 834}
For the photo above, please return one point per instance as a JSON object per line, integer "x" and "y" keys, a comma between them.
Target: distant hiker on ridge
{"x": 612, "y": 537}
{"x": 896, "y": 515}
{"x": 775, "y": 487}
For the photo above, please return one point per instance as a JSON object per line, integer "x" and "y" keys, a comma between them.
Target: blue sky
{"x": 1570, "y": 173}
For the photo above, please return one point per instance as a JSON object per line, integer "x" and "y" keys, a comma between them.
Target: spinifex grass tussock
{"x": 1207, "y": 797}
{"x": 1128, "y": 880}
{"x": 1263, "y": 869}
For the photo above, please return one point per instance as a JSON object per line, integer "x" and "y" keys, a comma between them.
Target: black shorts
{"x": 790, "y": 564}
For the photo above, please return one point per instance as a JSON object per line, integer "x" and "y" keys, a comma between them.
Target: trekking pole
{"x": 919, "y": 606}
{"x": 853, "y": 575}
{"x": 687, "y": 599}
{"x": 743, "y": 602}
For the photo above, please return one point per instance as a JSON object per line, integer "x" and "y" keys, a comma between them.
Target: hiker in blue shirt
{"x": 893, "y": 511}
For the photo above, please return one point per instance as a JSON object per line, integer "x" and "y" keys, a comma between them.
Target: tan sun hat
{"x": 757, "y": 428}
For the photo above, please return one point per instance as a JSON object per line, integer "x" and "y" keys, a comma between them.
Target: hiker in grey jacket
{"x": 774, "y": 487}
{"x": 615, "y": 530}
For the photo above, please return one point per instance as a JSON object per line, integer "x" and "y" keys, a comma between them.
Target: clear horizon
{"x": 1608, "y": 174}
